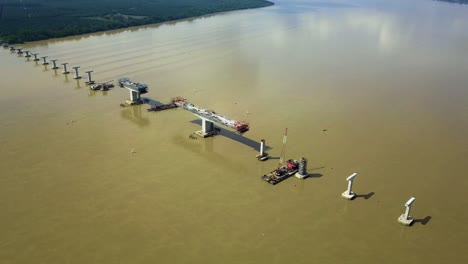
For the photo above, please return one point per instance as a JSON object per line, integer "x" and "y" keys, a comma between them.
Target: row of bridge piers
{"x": 29, "y": 54}
{"x": 135, "y": 96}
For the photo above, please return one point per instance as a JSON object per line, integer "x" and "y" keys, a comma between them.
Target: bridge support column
{"x": 19, "y": 51}
{"x": 55, "y": 64}
{"x": 406, "y": 219}
{"x": 208, "y": 128}
{"x": 44, "y": 60}
{"x": 134, "y": 96}
{"x": 302, "y": 171}
{"x": 27, "y": 54}
{"x": 90, "y": 81}
{"x": 65, "y": 68}
{"x": 263, "y": 155}
{"x": 35, "y": 56}
{"x": 77, "y": 76}
{"x": 348, "y": 194}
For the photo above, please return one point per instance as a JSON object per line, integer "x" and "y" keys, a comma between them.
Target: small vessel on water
{"x": 102, "y": 86}
{"x": 137, "y": 87}
{"x": 240, "y": 126}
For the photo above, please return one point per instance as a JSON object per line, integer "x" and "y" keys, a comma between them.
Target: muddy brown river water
{"x": 374, "y": 87}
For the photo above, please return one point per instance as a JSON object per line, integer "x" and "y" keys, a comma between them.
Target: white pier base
{"x": 138, "y": 102}
{"x": 201, "y": 133}
{"x": 407, "y": 221}
{"x": 348, "y": 196}
{"x": 301, "y": 176}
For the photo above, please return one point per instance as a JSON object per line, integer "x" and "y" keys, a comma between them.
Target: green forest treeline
{"x": 29, "y": 20}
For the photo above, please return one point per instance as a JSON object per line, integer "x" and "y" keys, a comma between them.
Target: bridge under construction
{"x": 210, "y": 117}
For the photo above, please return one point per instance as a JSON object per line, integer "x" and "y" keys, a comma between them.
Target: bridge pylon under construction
{"x": 136, "y": 90}
{"x": 209, "y": 118}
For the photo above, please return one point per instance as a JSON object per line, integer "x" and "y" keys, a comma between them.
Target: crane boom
{"x": 283, "y": 150}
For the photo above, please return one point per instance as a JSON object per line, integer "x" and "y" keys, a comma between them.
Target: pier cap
{"x": 351, "y": 176}
{"x": 410, "y": 201}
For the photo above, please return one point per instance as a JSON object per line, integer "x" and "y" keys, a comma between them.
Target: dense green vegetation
{"x": 28, "y": 20}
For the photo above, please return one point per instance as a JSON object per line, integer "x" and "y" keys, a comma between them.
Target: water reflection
{"x": 205, "y": 148}
{"x": 78, "y": 84}
{"x": 134, "y": 115}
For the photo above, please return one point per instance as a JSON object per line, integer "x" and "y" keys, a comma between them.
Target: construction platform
{"x": 157, "y": 108}
{"x": 282, "y": 173}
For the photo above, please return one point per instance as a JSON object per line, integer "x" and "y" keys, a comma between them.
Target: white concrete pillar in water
{"x": 27, "y": 54}
{"x": 77, "y": 76}
{"x": 44, "y": 62}
{"x": 207, "y": 126}
{"x": 302, "y": 170}
{"x": 348, "y": 194}
{"x": 134, "y": 96}
{"x": 89, "y": 82}
{"x": 55, "y": 64}
{"x": 65, "y": 68}
{"x": 19, "y": 51}
{"x": 35, "y": 56}
{"x": 263, "y": 155}
{"x": 405, "y": 219}
{"x": 12, "y": 49}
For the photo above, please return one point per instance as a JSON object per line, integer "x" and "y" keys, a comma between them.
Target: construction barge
{"x": 282, "y": 173}
{"x": 102, "y": 86}
{"x": 292, "y": 167}
{"x": 240, "y": 126}
{"x": 157, "y": 108}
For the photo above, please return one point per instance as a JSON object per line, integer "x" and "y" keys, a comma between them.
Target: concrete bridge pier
{"x": 44, "y": 61}
{"x": 65, "y": 68}
{"x": 35, "y": 56}
{"x": 208, "y": 128}
{"x": 77, "y": 76}
{"x": 27, "y": 54}
{"x": 135, "y": 96}
{"x": 262, "y": 156}
{"x": 406, "y": 219}
{"x": 348, "y": 194}
{"x": 55, "y": 64}
{"x": 90, "y": 81}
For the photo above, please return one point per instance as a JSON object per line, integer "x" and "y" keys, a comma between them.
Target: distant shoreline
{"x": 39, "y": 23}
{"x": 463, "y": 2}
